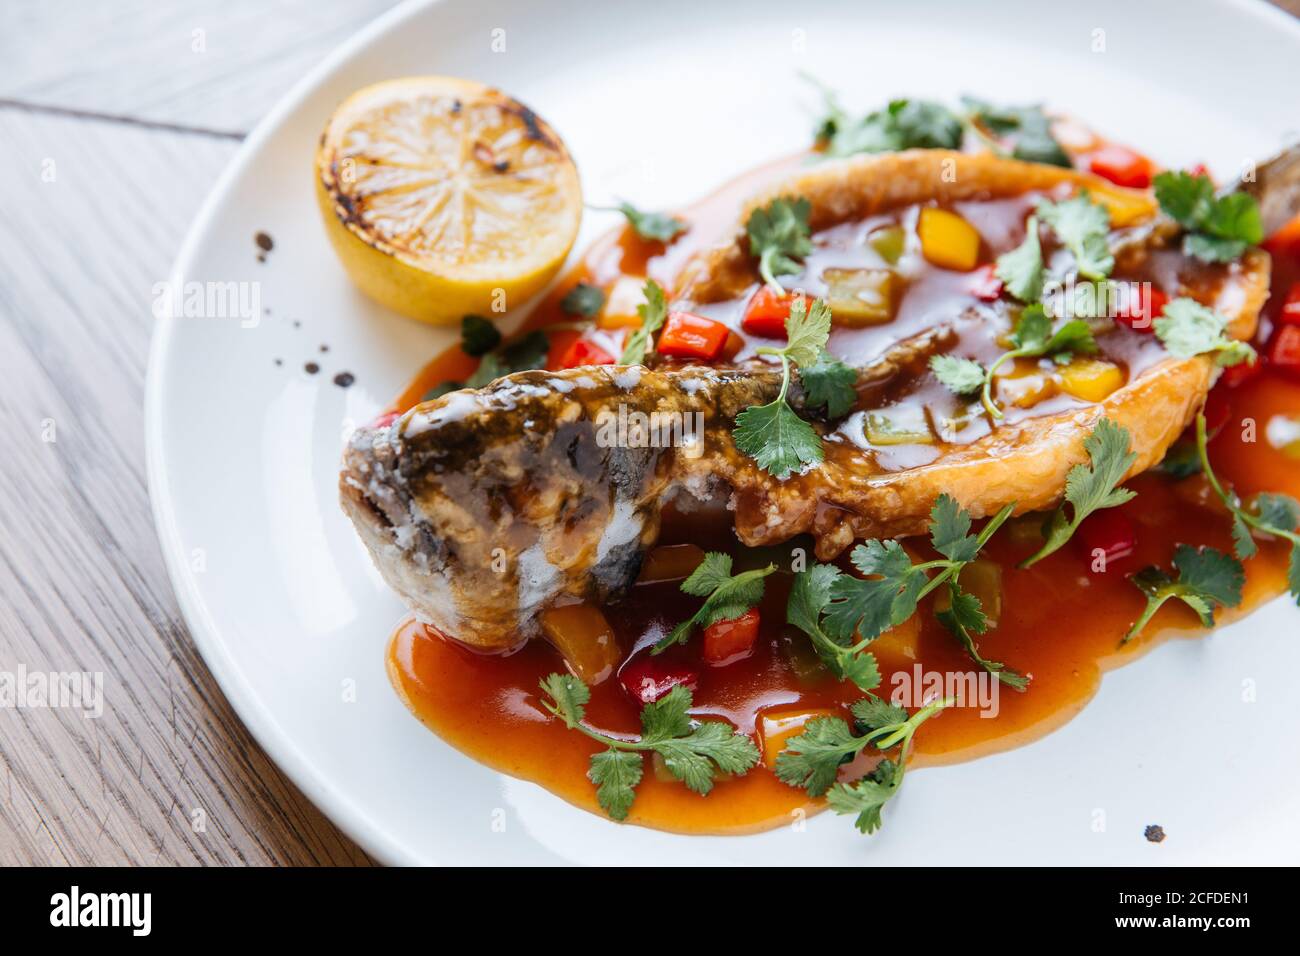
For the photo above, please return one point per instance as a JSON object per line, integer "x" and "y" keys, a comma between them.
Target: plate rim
{"x": 374, "y": 838}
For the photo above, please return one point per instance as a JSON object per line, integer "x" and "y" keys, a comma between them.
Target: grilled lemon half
{"x": 443, "y": 197}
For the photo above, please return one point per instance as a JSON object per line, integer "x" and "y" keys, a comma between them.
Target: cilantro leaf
{"x": 893, "y": 585}
{"x": 950, "y": 530}
{"x": 655, "y": 226}
{"x": 779, "y": 236}
{"x": 809, "y": 595}
{"x": 807, "y": 331}
{"x": 874, "y": 713}
{"x": 964, "y": 617}
{"x": 1187, "y": 328}
{"x": 615, "y": 774}
{"x": 1206, "y": 579}
{"x": 583, "y": 300}
{"x": 569, "y": 695}
{"x": 885, "y": 598}
{"x": 726, "y": 596}
{"x": 829, "y": 382}
{"x": 812, "y": 760}
{"x": 902, "y": 124}
{"x": 478, "y": 336}
{"x": 1082, "y": 226}
{"x": 777, "y": 439}
{"x": 867, "y": 797}
{"x": 1029, "y": 125}
{"x": 1219, "y": 229}
{"x": 961, "y": 376}
{"x": 773, "y": 435}
{"x": 1090, "y": 487}
{"x": 693, "y": 751}
{"x": 1021, "y": 269}
{"x": 653, "y": 313}
{"x": 1273, "y": 514}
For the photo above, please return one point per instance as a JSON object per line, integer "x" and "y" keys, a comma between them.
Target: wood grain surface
{"x": 115, "y": 121}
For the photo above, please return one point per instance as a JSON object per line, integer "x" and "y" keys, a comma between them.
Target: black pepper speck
{"x": 1154, "y": 833}
{"x": 344, "y": 379}
{"x": 264, "y": 242}
{"x": 311, "y": 368}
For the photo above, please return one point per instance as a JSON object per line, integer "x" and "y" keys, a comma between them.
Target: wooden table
{"x": 115, "y": 120}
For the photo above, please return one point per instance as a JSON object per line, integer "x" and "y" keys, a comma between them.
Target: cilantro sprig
{"x": 845, "y": 659}
{"x": 1187, "y": 328}
{"x": 1090, "y": 487}
{"x": 496, "y": 359}
{"x": 655, "y": 226}
{"x": 773, "y": 435}
{"x": 653, "y": 313}
{"x": 1273, "y": 514}
{"x": 1219, "y": 228}
{"x": 694, "y": 752}
{"x": 726, "y": 596}
{"x": 1021, "y": 269}
{"x": 812, "y": 760}
{"x": 1082, "y": 226}
{"x": 1206, "y": 579}
{"x": 855, "y": 611}
{"x": 779, "y": 236}
{"x": 1029, "y": 126}
{"x": 1032, "y": 337}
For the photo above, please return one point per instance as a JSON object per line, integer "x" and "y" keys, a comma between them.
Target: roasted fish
{"x": 483, "y": 507}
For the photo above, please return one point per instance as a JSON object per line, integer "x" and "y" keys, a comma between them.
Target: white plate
{"x": 660, "y": 103}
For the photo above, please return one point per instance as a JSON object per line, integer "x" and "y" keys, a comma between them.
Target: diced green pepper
{"x": 889, "y": 242}
{"x": 899, "y": 425}
{"x": 861, "y": 296}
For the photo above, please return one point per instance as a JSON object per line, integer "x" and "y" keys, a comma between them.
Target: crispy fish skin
{"x": 483, "y": 507}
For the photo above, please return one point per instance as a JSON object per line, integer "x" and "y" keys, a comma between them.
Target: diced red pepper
{"x": 1218, "y": 409}
{"x": 1286, "y": 241}
{"x": 1122, "y": 166}
{"x": 386, "y": 419}
{"x": 985, "y": 284}
{"x": 686, "y": 335}
{"x": 1290, "y": 312}
{"x": 727, "y": 641}
{"x": 1234, "y": 376}
{"x": 1110, "y": 533}
{"x": 648, "y": 678}
{"x": 1284, "y": 352}
{"x": 1140, "y": 306}
{"x": 1199, "y": 170}
{"x": 766, "y": 313}
{"x": 582, "y": 352}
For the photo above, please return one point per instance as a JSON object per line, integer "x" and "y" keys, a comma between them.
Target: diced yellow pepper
{"x": 1090, "y": 379}
{"x": 860, "y": 297}
{"x": 899, "y": 641}
{"x": 620, "y": 305}
{"x": 581, "y": 633}
{"x": 948, "y": 240}
{"x": 1025, "y": 384}
{"x": 778, "y": 726}
{"x": 670, "y": 562}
